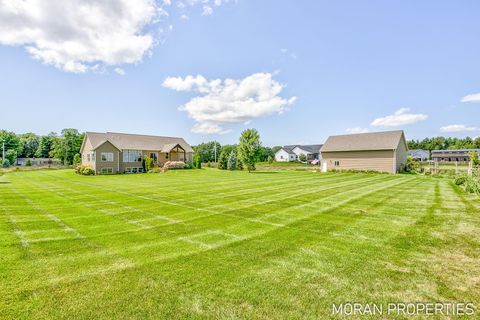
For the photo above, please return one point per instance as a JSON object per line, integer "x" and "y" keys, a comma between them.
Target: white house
{"x": 293, "y": 152}
{"x": 285, "y": 154}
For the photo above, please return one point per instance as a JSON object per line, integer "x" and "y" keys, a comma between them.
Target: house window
{"x": 88, "y": 156}
{"x": 132, "y": 156}
{"x": 133, "y": 170}
{"x": 336, "y": 163}
{"x": 107, "y": 170}
{"x": 107, "y": 156}
{"x": 166, "y": 155}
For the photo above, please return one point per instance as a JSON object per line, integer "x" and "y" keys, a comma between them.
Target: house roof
{"x": 455, "y": 150}
{"x": 386, "y": 140}
{"x": 312, "y": 148}
{"x": 135, "y": 141}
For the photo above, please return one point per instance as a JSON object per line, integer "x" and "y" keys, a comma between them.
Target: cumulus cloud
{"x": 79, "y": 36}
{"x": 357, "y": 130}
{"x": 207, "y": 11}
{"x": 458, "y": 128}
{"x": 227, "y": 101}
{"x": 471, "y": 98}
{"x": 401, "y": 117}
{"x": 76, "y": 35}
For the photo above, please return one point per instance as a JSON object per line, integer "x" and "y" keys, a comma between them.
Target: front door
{"x": 324, "y": 166}
{"x": 154, "y": 156}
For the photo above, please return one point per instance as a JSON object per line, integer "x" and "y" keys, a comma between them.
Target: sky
{"x": 297, "y": 71}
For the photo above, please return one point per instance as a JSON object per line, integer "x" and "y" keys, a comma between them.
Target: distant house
{"x": 285, "y": 154}
{"x": 293, "y": 152}
{"x": 460, "y": 155}
{"x": 379, "y": 151}
{"x": 419, "y": 154}
{"x": 123, "y": 153}
{"x": 38, "y": 161}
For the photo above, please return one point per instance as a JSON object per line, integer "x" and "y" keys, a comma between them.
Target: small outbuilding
{"x": 378, "y": 151}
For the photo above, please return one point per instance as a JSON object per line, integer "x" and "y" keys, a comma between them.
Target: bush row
{"x": 85, "y": 170}
{"x": 469, "y": 183}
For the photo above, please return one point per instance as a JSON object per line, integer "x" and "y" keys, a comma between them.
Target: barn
{"x": 378, "y": 151}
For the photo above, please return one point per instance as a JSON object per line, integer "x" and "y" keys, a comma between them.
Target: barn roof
{"x": 385, "y": 140}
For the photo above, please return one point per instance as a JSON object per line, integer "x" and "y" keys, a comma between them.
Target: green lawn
{"x": 219, "y": 244}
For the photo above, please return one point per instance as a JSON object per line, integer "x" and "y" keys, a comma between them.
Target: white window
{"x": 107, "y": 170}
{"x": 132, "y": 156}
{"x": 93, "y": 156}
{"x": 107, "y": 156}
{"x": 88, "y": 156}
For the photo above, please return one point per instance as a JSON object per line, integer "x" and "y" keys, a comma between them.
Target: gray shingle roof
{"x": 386, "y": 140}
{"x": 312, "y": 148}
{"x": 136, "y": 141}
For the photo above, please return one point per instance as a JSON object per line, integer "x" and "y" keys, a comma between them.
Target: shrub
{"x": 77, "y": 159}
{"x": 85, "y": 170}
{"x": 270, "y": 159}
{"x": 197, "y": 161}
{"x": 28, "y": 163}
{"x": 232, "y": 161}
{"x": 157, "y": 170}
{"x": 223, "y": 160}
{"x": 188, "y": 166}
{"x": 302, "y": 157}
{"x": 148, "y": 164}
{"x": 6, "y": 163}
{"x": 460, "y": 180}
{"x": 172, "y": 165}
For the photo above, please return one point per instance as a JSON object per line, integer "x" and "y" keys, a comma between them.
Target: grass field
{"x": 218, "y": 244}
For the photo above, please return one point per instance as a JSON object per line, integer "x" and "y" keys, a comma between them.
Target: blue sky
{"x": 302, "y": 70}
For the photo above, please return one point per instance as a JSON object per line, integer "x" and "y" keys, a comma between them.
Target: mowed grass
{"x": 219, "y": 244}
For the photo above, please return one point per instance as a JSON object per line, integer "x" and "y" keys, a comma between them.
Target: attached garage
{"x": 378, "y": 151}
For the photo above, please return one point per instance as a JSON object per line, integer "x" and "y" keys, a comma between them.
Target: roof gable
{"x": 386, "y": 140}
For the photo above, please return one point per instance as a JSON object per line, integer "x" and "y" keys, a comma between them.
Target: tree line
{"x": 444, "y": 143}
{"x": 64, "y": 146}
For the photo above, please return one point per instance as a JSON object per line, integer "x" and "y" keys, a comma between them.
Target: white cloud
{"x": 229, "y": 101}
{"x": 77, "y": 35}
{"x": 119, "y": 71}
{"x": 357, "y": 130}
{"x": 458, "y": 128}
{"x": 89, "y": 35}
{"x": 401, "y": 117}
{"x": 207, "y": 11}
{"x": 471, "y": 98}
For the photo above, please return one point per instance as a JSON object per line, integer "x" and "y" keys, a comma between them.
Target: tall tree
{"x": 45, "y": 145}
{"x": 206, "y": 151}
{"x": 11, "y": 141}
{"x": 29, "y": 143}
{"x": 67, "y": 146}
{"x": 249, "y": 148}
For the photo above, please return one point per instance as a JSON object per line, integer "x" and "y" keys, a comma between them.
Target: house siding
{"x": 401, "y": 156}
{"x": 378, "y": 160}
{"x": 87, "y": 149}
{"x": 99, "y": 164}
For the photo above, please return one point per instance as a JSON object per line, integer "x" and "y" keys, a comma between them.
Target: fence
{"x": 452, "y": 168}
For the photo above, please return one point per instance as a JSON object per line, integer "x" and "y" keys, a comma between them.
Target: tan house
{"x": 379, "y": 151}
{"x": 123, "y": 153}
